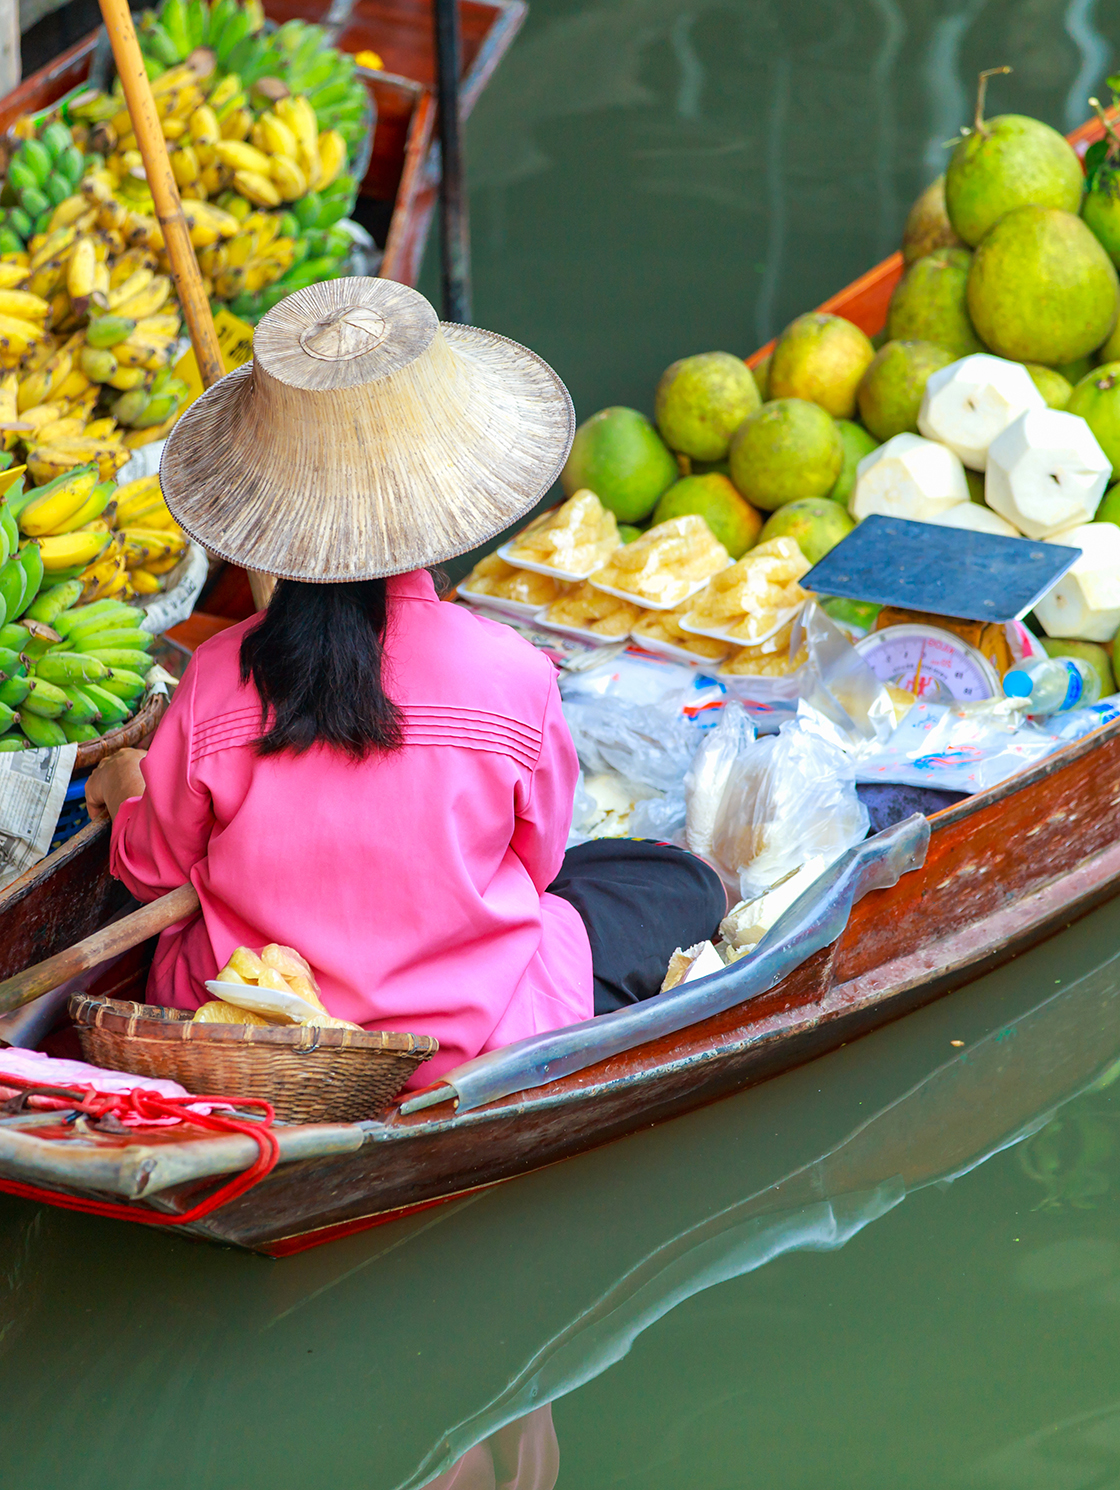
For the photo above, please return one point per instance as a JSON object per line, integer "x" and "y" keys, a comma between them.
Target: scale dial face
{"x": 929, "y": 662}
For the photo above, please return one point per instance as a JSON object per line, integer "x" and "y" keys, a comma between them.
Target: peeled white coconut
{"x": 977, "y": 518}
{"x": 1046, "y": 472}
{"x": 908, "y": 477}
{"x": 1085, "y": 602}
{"x": 967, "y": 404}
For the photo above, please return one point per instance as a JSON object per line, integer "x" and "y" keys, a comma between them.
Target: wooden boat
{"x": 539, "y": 1287}
{"x": 1005, "y": 868}
{"x": 401, "y": 184}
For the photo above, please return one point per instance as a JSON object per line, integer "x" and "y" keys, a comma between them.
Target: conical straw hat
{"x": 365, "y": 438}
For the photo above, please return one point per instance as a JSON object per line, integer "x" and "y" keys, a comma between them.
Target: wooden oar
{"x": 110, "y": 941}
{"x": 165, "y": 193}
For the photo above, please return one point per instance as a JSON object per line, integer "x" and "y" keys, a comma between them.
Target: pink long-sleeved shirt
{"x": 413, "y": 882}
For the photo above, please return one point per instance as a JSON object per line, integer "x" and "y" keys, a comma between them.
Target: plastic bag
{"x": 789, "y": 797}
{"x": 641, "y": 718}
{"x": 958, "y": 747}
{"x": 834, "y": 679}
{"x": 707, "y": 777}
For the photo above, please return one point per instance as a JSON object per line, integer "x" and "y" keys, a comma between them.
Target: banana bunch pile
{"x": 295, "y": 59}
{"x": 114, "y": 541}
{"x": 42, "y": 172}
{"x": 69, "y": 672}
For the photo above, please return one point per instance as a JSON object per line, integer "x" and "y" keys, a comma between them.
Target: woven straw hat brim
{"x": 340, "y": 484}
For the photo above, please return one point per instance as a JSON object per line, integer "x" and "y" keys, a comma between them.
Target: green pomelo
{"x": 930, "y": 303}
{"x": 857, "y": 443}
{"x": 1097, "y": 400}
{"x": 1109, "y": 510}
{"x": 1041, "y": 288}
{"x": 734, "y": 522}
{"x": 619, "y": 455}
{"x": 1109, "y": 351}
{"x": 1009, "y": 162}
{"x": 821, "y": 358}
{"x": 701, "y": 401}
{"x": 1081, "y": 367}
{"x": 816, "y": 525}
{"x": 1100, "y": 212}
{"x": 790, "y": 449}
{"x": 975, "y": 481}
{"x": 761, "y": 374}
{"x": 1054, "y": 388}
{"x": 627, "y": 532}
{"x": 1091, "y": 652}
{"x": 861, "y": 614}
{"x": 927, "y": 224}
{"x": 891, "y": 392}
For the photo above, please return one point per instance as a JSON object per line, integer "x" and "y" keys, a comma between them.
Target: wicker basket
{"x": 90, "y": 752}
{"x": 309, "y": 1075}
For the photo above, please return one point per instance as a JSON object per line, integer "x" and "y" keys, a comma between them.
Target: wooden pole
{"x": 169, "y": 210}
{"x": 454, "y": 222}
{"x": 110, "y": 941}
{"x": 165, "y": 194}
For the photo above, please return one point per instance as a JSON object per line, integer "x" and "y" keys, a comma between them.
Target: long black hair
{"x": 316, "y": 661}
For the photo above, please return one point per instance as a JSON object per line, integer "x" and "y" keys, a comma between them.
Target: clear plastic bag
{"x": 707, "y": 777}
{"x": 957, "y": 748}
{"x": 789, "y": 797}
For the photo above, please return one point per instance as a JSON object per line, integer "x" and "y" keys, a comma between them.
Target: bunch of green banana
{"x": 43, "y": 172}
{"x": 71, "y": 672}
{"x": 295, "y": 59}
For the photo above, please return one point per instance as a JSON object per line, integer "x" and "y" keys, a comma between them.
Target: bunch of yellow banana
{"x": 23, "y": 315}
{"x": 249, "y": 262}
{"x": 106, "y": 575}
{"x": 153, "y": 541}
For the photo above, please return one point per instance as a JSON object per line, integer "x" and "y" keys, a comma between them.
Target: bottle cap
{"x": 1017, "y": 684}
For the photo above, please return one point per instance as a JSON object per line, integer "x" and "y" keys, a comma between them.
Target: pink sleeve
{"x": 545, "y": 818}
{"x": 159, "y": 838}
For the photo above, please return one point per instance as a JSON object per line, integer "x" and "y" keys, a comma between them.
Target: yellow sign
{"x": 235, "y": 337}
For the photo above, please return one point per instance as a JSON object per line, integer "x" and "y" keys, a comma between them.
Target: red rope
{"x": 149, "y": 1105}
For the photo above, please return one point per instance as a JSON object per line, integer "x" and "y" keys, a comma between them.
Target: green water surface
{"x": 897, "y": 1268}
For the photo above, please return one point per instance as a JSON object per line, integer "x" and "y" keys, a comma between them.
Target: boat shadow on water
{"x": 392, "y": 1354}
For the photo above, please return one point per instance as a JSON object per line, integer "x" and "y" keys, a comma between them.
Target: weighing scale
{"x": 946, "y": 593}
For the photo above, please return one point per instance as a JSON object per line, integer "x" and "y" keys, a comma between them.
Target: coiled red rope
{"x": 150, "y": 1106}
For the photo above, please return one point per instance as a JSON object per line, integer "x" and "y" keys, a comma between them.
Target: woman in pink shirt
{"x": 375, "y": 778}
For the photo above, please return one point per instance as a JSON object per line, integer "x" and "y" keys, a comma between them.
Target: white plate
{"x": 678, "y": 654}
{"x": 785, "y": 616}
{"x": 564, "y": 574}
{"x": 583, "y": 634}
{"x": 263, "y": 1000}
{"x": 522, "y": 609}
{"x": 697, "y": 586}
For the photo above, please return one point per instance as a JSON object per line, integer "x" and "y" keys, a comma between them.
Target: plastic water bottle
{"x": 1053, "y": 685}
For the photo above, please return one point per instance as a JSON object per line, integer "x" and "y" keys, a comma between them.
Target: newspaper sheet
{"x": 32, "y": 789}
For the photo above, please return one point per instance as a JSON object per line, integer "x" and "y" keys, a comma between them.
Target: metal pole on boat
{"x": 454, "y": 226}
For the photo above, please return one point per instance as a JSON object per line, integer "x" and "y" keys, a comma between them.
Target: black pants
{"x": 640, "y": 901}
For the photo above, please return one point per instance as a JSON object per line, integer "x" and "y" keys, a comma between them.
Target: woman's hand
{"x": 115, "y": 780}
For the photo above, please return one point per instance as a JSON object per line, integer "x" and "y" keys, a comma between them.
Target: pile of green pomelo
{"x": 1013, "y": 251}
